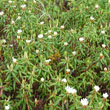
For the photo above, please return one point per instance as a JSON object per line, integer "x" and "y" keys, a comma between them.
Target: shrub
{"x": 54, "y": 55}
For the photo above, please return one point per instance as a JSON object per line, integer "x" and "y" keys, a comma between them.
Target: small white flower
{"x": 105, "y": 95}
{"x": 103, "y": 32}
{"x": 1, "y": 13}
{"x": 14, "y": 60}
{"x": 7, "y": 107}
{"x": 96, "y": 6}
{"x": 81, "y": 39}
{"x": 41, "y": 23}
{"x": 19, "y": 17}
{"x": 64, "y": 80}
{"x": 68, "y": 70}
{"x": 37, "y": 51}
{"x": 12, "y": 22}
{"x": 74, "y": 53}
{"x": 65, "y": 43}
{"x": 34, "y": 1}
{"x": 4, "y": 41}
{"x": 92, "y": 18}
{"x": 62, "y": 27}
{"x": 10, "y": 1}
{"x": 55, "y": 34}
{"x": 109, "y": 1}
{"x": 47, "y": 61}
{"x": 40, "y": 36}
{"x": 101, "y": 55}
{"x": 25, "y": 0}
{"x": 49, "y": 36}
{"x": 18, "y": 37}
{"x": 70, "y": 90}
{"x": 23, "y": 6}
{"x": 19, "y": 31}
{"x": 42, "y": 79}
{"x": 71, "y": 30}
{"x": 84, "y": 102}
{"x": 96, "y": 88}
{"x": 105, "y": 69}
{"x": 49, "y": 31}
{"x": 103, "y": 45}
{"x": 28, "y": 41}
{"x": 29, "y": 11}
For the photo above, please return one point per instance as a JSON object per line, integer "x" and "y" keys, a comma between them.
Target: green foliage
{"x": 54, "y": 55}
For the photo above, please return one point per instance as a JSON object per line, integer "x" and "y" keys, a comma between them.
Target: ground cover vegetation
{"x": 54, "y": 55}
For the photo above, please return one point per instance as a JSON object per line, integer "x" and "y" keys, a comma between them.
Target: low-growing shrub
{"x": 54, "y": 54}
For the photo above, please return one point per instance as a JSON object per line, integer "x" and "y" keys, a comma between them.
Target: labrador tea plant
{"x": 54, "y": 54}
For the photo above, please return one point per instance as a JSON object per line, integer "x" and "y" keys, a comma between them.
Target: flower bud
{"x": 55, "y": 34}
{"x": 67, "y": 71}
{"x": 18, "y": 37}
{"x": 62, "y": 27}
{"x": 101, "y": 56}
{"x": 105, "y": 69}
{"x": 92, "y": 18}
{"x": 74, "y": 53}
{"x": 81, "y": 39}
{"x": 103, "y": 46}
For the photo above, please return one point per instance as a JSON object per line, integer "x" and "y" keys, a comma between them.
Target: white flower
{"x": 41, "y": 23}
{"x": 96, "y": 88}
{"x": 7, "y": 107}
{"x": 1, "y": 13}
{"x": 101, "y": 55}
{"x": 70, "y": 90}
{"x": 105, "y": 95}
{"x": 49, "y": 31}
{"x": 12, "y": 22}
{"x": 19, "y": 31}
{"x": 40, "y": 36}
{"x": 49, "y": 36}
{"x": 10, "y": 1}
{"x": 103, "y": 45}
{"x": 96, "y": 6}
{"x": 84, "y": 102}
{"x": 64, "y": 80}
{"x": 18, "y": 37}
{"x": 4, "y": 41}
{"x": 74, "y": 53}
{"x": 34, "y": 1}
{"x": 109, "y": 1}
{"x": 92, "y": 18}
{"x": 28, "y": 41}
{"x": 42, "y": 79}
{"x": 71, "y": 30}
{"x": 81, "y": 39}
{"x": 25, "y": 0}
{"x": 55, "y": 33}
{"x": 68, "y": 70}
{"x": 29, "y": 11}
{"x": 65, "y": 43}
{"x": 105, "y": 69}
{"x": 14, "y": 60}
{"x": 47, "y": 61}
{"x": 23, "y": 6}
{"x": 37, "y": 51}
{"x": 19, "y": 17}
{"x": 62, "y": 27}
{"x": 103, "y": 32}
